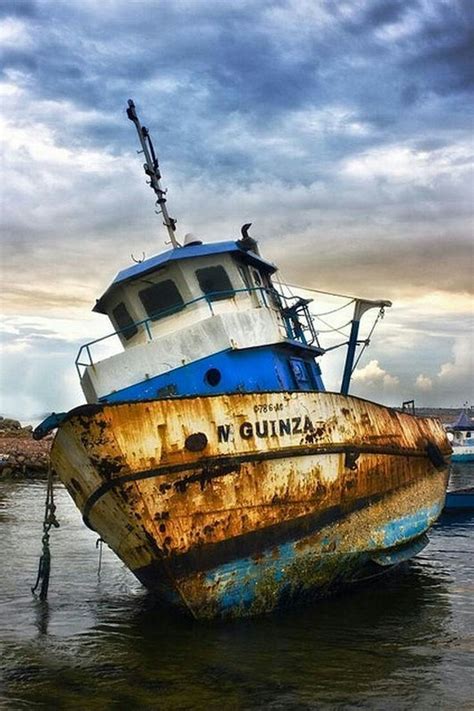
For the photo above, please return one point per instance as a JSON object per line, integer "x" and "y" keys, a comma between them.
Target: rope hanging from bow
{"x": 50, "y": 519}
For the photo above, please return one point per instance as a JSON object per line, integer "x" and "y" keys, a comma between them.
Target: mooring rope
{"x": 50, "y": 519}
{"x": 98, "y": 544}
{"x": 333, "y": 311}
{"x": 366, "y": 341}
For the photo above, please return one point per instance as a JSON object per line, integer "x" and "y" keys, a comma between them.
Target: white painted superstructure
{"x": 232, "y": 330}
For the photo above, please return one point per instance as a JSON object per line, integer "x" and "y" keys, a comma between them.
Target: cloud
{"x": 424, "y": 383}
{"x": 341, "y": 130}
{"x": 402, "y": 163}
{"x": 373, "y": 374}
{"x": 13, "y": 33}
{"x": 456, "y": 375}
{"x": 34, "y": 371}
{"x": 18, "y": 8}
{"x": 37, "y": 354}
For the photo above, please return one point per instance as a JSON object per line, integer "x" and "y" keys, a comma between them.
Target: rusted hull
{"x": 239, "y": 504}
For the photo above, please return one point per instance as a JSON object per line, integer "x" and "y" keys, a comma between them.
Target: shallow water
{"x": 402, "y": 642}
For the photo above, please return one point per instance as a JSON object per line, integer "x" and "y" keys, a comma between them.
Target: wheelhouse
{"x": 178, "y": 288}
{"x": 192, "y": 305}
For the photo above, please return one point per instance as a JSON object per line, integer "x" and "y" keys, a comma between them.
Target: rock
{"x": 6, "y": 423}
{"x": 22, "y": 457}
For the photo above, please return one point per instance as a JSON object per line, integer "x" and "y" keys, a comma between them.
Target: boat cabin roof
{"x": 463, "y": 422}
{"x": 187, "y": 252}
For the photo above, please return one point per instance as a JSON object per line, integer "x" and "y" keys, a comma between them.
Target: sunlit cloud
{"x": 373, "y": 374}
{"x": 424, "y": 383}
{"x": 402, "y": 163}
{"x": 14, "y": 33}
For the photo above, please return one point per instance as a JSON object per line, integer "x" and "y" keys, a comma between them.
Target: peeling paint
{"x": 250, "y": 516}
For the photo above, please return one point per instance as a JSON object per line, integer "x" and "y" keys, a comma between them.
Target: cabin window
{"x": 161, "y": 299}
{"x": 244, "y": 273}
{"x": 215, "y": 283}
{"x": 302, "y": 374}
{"x": 123, "y": 321}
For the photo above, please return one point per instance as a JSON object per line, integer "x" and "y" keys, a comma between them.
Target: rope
{"x": 98, "y": 544}
{"x": 333, "y": 311}
{"x": 320, "y": 291}
{"x": 44, "y": 567}
{"x": 331, "y": 329}
{"x": 283, "y": 283}
{"x": 366, "y": 342}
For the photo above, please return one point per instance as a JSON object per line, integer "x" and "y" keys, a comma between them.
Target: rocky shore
{"x": 22, "y": 457}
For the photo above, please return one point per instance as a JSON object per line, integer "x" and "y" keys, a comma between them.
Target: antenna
{"x": 152, "y": 169}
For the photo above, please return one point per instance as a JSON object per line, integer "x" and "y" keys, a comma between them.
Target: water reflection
{"x": 399, "y": 642}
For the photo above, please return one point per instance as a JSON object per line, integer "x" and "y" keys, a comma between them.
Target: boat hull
{"x": 460, "y": 500}
{"x": 462, "y": 454}
{"x": 241, "y": 504}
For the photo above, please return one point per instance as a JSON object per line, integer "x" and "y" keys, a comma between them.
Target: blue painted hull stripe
{"x": 240, "y": 578}
{"x": 225, "y": 553}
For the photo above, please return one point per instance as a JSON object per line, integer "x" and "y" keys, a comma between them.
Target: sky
{"x": 342, "y": 130}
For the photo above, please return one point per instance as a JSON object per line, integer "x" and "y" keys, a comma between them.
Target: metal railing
{"x": 291, "y": 315}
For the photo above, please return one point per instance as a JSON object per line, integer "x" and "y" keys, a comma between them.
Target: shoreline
{"x": 21, "y": 456}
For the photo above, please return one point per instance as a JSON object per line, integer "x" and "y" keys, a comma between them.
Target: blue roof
{"x": 463, "y": 422}
{"x": 172, "y": 255}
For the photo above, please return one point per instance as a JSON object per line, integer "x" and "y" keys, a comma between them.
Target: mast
{"x": 152, "y": 169}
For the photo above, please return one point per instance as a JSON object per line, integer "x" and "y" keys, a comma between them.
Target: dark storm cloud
{"x": 382, "y": 13}
{"x": 249, "y": 92}
{"x": 253, "y": 60}
{"x": 18, "y": 59}
{"x": 342, "y": 130}
{"x": 413, "y": 51}
{"x": 18, "y": 8}
{"x": 445, "y": 49}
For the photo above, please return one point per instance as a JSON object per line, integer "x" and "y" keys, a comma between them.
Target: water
{"x": 402, "y": 642}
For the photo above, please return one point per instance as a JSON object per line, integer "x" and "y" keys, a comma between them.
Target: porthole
{"x": 213, "y": 377}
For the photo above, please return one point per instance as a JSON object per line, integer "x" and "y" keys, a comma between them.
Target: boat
{"x": 461, "y": 436}
{"x": 459, "y": 500}
{"x": 209, "y": 455}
